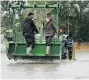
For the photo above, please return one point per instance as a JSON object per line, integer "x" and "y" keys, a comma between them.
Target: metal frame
{"x": 22, "y": 5}
{"x": 17, "y": 43}
{"x": 17, "y": 49}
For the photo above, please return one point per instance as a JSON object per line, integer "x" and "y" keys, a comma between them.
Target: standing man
{"x": 29, "y": 29}
{"x": 49, "y": 30}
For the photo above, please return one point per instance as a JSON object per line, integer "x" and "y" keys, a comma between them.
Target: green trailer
{"x": 17, "y": 48}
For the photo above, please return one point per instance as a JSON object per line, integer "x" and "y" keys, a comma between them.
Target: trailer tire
{"x": 70, "y": 55}
{"x": 15, "y": 58}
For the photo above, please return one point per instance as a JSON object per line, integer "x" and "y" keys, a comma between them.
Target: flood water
{"x": 58, "y": 69}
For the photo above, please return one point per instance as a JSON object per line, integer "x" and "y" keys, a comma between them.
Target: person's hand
{"x": 55, "y": 36}
{"x": 37, "y": 32}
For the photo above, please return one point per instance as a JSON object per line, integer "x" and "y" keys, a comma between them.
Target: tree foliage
{"x": 74, "y": 14}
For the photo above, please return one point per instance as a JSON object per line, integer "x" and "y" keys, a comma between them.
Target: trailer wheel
{"x": 70, "y": 55}
{"x": 51, "y": 60}
{"x": 64, "y": 55}
{"x": 9, "y": 58}
{"x": 15, "y": 58}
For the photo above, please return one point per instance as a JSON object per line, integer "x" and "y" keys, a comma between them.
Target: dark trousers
{"x": 48, "y": 40}
{"x": 30, "y": 41}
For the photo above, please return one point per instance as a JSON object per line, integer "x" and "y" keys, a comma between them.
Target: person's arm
{"x": 54, "y": 27}
{"x": 34, "y": 27}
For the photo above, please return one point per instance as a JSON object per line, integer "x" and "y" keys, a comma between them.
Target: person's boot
{"x": 28, "y": 50}
{"x": 47, "y": 50}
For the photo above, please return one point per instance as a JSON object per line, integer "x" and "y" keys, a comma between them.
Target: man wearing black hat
{"x": 29, "y": 29}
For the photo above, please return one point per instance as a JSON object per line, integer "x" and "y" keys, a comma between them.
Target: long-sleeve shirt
{"x": 29, "y": 27}
{"x": 49, "y": 28}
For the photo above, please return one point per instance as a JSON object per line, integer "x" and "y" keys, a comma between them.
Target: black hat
{"x": 48, "y": 14}
{"x": 30, "y": 13}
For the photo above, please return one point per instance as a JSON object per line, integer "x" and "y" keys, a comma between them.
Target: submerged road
{"x": 59, "y": 69}
{"x": 63, "y": 69}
